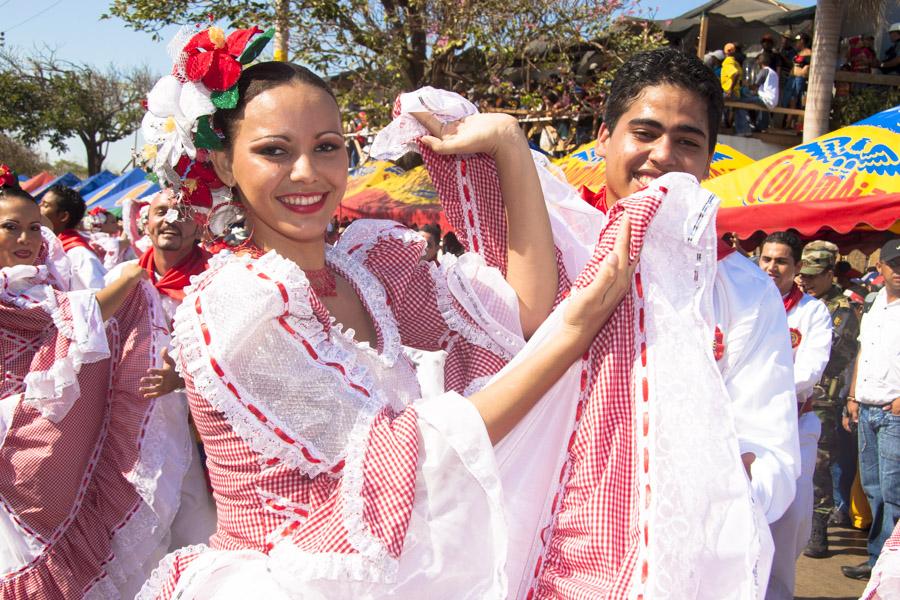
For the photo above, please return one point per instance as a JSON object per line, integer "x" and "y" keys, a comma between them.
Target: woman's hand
{"x": 490, "y": 133}
{"x": 591, "y": 307}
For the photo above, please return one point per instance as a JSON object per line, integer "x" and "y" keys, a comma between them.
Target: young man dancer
{"x": 662, "y": 116}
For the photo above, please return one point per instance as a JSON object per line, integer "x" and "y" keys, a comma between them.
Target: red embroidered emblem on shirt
{"x": 795, "y": 337}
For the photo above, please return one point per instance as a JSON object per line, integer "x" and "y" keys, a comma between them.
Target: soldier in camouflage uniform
{"x": 816, "y": 278}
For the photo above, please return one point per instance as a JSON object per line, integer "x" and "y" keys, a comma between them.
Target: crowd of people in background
{"x": 773, "y": 76}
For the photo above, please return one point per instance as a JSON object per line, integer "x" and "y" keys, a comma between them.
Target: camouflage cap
{"x": 818, "y": 257}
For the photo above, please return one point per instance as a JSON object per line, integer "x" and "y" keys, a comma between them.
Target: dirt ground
{"x": 821, "y": 579}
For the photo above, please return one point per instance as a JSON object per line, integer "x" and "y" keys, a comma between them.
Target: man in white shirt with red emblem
{"x": 809, "y": 324}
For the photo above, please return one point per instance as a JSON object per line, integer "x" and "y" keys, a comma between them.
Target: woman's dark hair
{"x": 807, "y": 40}
{"x": 434, "y": 229}
{"x": 452, "y": 245}
{"x": 15, "y": 192}
{"x": 257, "y": 79}
{"x": 665, "y": 66}
{"x": 789, "y": 239}
{"x": 70, "y": 201}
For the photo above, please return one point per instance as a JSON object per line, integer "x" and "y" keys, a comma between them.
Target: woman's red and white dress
{"x": 88, "y": 481}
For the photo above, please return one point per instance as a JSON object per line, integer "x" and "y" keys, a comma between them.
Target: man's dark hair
{"x": 665, "y": 66}
{"x": 789, "y": 239}
{"x": 68, "y": 200}
{"x": 842, "y": 267}
{"x": 765, "y": 59}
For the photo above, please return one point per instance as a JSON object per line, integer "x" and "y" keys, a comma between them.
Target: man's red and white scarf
{"x": 72, "y": 238}
{"x": 173, "y": 281}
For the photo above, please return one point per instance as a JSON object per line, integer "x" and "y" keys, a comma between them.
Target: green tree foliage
{"x": 20, "y": 158}
{"x": 374, "y": 49}
{"x": 44, "y": 98}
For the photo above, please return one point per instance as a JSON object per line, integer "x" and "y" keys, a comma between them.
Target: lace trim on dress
{"x": 457, "y": 322}
{"x": 373, "y": 296}
{"x": 251, "y": 419}
{"x": 54, "y": 390}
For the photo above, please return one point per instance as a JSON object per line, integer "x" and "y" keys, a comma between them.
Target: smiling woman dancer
{"x": 88, "y": 481}
{"x": 331, "y": 478}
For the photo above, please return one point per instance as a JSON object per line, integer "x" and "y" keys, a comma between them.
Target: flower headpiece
{"x": 178, "y": 128}
{"x": 8, "y": 178}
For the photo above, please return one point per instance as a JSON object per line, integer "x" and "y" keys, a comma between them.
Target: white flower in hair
{"x": 173, "y": 109}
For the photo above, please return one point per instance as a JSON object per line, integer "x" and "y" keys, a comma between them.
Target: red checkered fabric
{"x": 65, "y": 483}
{"x": 591, "y": 544}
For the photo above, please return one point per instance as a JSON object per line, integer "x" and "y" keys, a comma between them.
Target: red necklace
{"x": 320, "y": 280}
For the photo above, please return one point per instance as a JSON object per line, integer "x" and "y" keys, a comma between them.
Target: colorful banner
{"x": 859, "y": 160}
{"x": 584, "y": 167}
{"x": 845, "y": 181}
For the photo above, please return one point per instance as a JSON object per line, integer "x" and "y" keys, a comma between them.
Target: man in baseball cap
{"x": 890, "y": 65}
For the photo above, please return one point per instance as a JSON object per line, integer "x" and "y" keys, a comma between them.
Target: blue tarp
{"x": 140, "y": 189}
{"x": 68, "y": 179}
{"x": 94, "y": 182}
{"x": 122, "y": 182}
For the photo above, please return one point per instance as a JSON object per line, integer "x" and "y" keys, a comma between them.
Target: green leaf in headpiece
{"x": 255, "y": 47}
{"x": 226, "y": 99}
{"x": 152, "y": 177}
{"x": 206, "y": 137}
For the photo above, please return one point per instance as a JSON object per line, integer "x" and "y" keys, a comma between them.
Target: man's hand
{"x": 747, "y": 458}
{"x": 162, "y": 381}
{"x": 852, "y": 414}
{"x": 893, "y": 407}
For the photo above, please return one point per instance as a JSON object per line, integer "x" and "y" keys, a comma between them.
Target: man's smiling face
{"x": 666, "y": 129}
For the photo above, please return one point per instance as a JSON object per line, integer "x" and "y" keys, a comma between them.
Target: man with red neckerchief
{"x": 174, "y": 257}
{"x": 809, "y": 324}
{"x": 64, "y": 208}
{"x": 662, "y": 116}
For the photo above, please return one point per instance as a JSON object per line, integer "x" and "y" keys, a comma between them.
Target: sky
{"x": 74, "y": 30}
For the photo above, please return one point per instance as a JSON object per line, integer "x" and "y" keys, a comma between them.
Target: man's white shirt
{"x": 878, "y": 370}
{"x": 87, "y": 270}
{"x": 758, "y": 370}
{"x": 811, "y": 319}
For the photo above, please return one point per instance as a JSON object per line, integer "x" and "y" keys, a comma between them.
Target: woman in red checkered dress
{"x": 88, "y": 482}
{"x": 331, "y": 478}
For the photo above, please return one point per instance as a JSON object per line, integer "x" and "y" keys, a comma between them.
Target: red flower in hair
{"x": 7, "y": 177}
{"x": 98, "y": 210}
{"x": 198, "y": 181}
{"x": 212, "y": 58}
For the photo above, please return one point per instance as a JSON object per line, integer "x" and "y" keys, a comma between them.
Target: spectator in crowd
{"x": 763, "y": 91}
{"x": 810, "y": 328}
{"x": 432, "y": 234}
{"x": 787, "y": 54}
{"x": 714, "y": 60}
{"x": 874, "y": 404}
{"x": 795, "y": 89}
{"x": 816, "y": 278}
{"x": 860, "y": 57}
{"x": 890, "y": 64}
{"x": 731, "y": 72}
{"x": 64, "y": 208}
{"x": 767, "y": 42}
